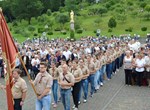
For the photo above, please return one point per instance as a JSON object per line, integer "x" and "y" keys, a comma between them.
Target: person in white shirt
{"x": 140, "y": 64}
{"x": 67, "y": 53}
{"x": 35, "y": 65}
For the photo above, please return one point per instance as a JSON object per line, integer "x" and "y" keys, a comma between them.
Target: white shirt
{"x": 140, "y": 63}
{"x": 35, "y": 60}
{"x": 67, "y": 54}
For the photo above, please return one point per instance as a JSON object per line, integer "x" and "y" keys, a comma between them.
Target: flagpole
{"x": 27, "y": 73}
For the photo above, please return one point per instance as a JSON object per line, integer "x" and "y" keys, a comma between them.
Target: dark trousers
{"x": 75, "y": 93}
{"x": 128, "y": 76}
{"x": 139, "y": 78}
{"x": 17, "y": 104}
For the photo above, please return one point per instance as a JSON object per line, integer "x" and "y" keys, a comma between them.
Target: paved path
{"x": 114, "y": 95}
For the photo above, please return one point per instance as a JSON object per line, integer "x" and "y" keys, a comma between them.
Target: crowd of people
{"x": 137, "y": 64}
{"x": 67, "y": 67}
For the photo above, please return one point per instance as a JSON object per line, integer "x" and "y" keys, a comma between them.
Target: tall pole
{"x": 29, "y": 78}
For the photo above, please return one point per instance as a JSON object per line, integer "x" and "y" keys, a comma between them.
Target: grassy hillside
{"x": 86, "y": 18}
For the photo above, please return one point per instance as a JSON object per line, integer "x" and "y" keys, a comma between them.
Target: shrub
{"x": 62, "y": 9}
{"x": 35, "y": 34}
{"x": 144, "y": 28}
{"x": 40, "y": 19}
{"x": 94, "y": 31}
{"x": 57, "y": 29}
{"x": 109, "y": 30}
{"x": 50, "y": 33}
{"x": 72, "y": 36}
{"x": 64, "y": 32}
{"x": 15, "y": 23}
{"x": 25, "y": 34}
{"x": 31, "y": 28}
{"x": 55, "y": 14}
{"x": 79, "y": 31}
{"x": 40, "y": 30}
{"x": 17, "y": 31}
{"x": 126, "y": 30}
{"x": 49, "y": 12}
{"x": 129, "y": 29}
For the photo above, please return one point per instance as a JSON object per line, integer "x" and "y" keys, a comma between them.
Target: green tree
{"x": 55, "y": 5}
{"x": 147, "y": 8}
{"x": 50, "y": 23}
{"x": 143, "y": 4}
{"x": 6, "y": 10}
{"x": 71, "y": 5}
{"x": 112, "y": 23}
{"x": 46, "y": 5}
{"x": 91, "y": 1}
{"x": 62, "y": 19}
{"x": 102, "y": 10}
{"x": 26, "y": 9}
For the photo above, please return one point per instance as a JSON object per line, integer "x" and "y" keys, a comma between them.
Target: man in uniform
{"x": 92, "y": 71}
{"x": 66, "y": 81}
{"x": 19, "y": 90}
{"x": 43, "y": 83}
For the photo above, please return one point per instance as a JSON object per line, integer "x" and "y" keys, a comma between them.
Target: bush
{"x": 72, "y": 36}
{"x": 109, "y": 30}
{"x": 62, "y": 9}
{"x": 144, "y": 29}
{"x": 95, "y": 31}
{"x": 57, "y": 29}
{"x": 35, "y": 34}
{"x": 126, "y": 30}
{"x": 40, "y": 30}
{"x": 129, "y": 29}
{"x": 49, "y": 12}
{"x": 50, "y": 33}
{"x": 79, "y": 31}
{"x": 64, "y": 32}
{"x": 17, "y": 31}
{"x": 31, "y": 28}
{"x": 15, "y": 23}
{"x": 40, "y": 19}
{"x": 25, "y": 34}
{"x": 55, "y": 13}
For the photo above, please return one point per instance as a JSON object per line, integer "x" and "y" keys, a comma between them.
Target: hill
{"x": 132, "y": 17}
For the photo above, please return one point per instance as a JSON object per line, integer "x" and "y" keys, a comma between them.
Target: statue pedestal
{"x": 72, "y": 25}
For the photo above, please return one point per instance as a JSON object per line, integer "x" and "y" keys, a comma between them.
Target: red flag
{"x": 9, "y": 52}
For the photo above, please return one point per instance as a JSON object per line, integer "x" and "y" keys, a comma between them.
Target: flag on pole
{"x": 9, "y": 51}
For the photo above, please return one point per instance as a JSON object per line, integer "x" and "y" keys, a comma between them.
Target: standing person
{"x": 147, "y": 60}
{"x": 109, "y": 65}
{"x": 19, "y": 89}
{"x": 25, "y": 59}
{"x": 84, "y": 82}
{"x": 77, "y": 73}
{"x": 43, "y": 83}
{"x": 35, "y": 65}
{"x": 139, "y": 64}
{"x": 128, "y": 60}
{"x": 92, "y": 71}
{"x": 54, "y": 73}
{"x": 66, "y": 81}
